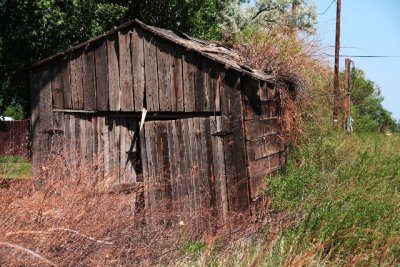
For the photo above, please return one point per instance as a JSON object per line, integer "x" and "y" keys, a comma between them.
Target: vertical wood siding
{"x": 209, "y": 161}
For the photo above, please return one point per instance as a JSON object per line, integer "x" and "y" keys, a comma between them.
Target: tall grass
{"x": 343, "y": 195}
{"x": 340, "y": 197}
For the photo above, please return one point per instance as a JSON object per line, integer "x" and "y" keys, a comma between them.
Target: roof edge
{"x": 212, "y": 53}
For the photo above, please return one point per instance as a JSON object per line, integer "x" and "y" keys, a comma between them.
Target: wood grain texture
{"x": 100, "y": 143}
{"x": 201, "y": 83}
{"x": 259, "y": 169}
{"x": 164, "y": 75}
{"x": 106, "y": 147}
{"x": 101, "y": 63}
{"x": 189, "y": 77}
{"x": 89, "y": 133}
{"x": 177, "y": 79}
{"x": 259, "y": 128}
{"x": 263, "y": 147}
{"x": 46, "y": 112}
{"x": 56, "y": 85}
{"x": 232, "y": 120}
{"x": 76, "y": 79}
{"x": 73, "y": 145}
{"x": 66, "y": 82}
{"x": 151, "y": 78}
{"x": 125, "y": 70}
{"x": 128, "y": 151}
{"x": 114, "y": 91}
{"x": 138, "y": 69}
{"x": 221, "y": 192}
{"x": 89, "y": 79}
{"x": 186, "y": 168}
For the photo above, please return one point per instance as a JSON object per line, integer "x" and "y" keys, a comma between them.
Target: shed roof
{"x": 209, "y": 49}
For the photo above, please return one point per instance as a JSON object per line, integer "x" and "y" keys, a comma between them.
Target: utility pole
{"x": 346, "y": 102}
{"x": 336, "y": 70}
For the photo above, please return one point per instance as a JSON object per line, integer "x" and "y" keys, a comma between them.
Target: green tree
{"x": 368, "y": 113}
{"x": 37, "y": 29}
{"x": 266, "y": 14}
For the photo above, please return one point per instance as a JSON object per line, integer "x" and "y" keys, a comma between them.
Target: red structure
{"x": 14, "y": 138}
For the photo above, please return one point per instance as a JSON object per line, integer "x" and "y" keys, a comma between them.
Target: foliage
{"x": 266, "y": 14}
{"x": 344, "y": 195}
{"x": 37, "y": 29}
{"x": 368, "y": 113}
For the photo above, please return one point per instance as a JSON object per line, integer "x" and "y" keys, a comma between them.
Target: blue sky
{"x": 368, "y": 27}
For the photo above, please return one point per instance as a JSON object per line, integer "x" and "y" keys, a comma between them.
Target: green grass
{"x": 342, "y": 196}
{"x": 343, "y": 193}
{"x": 13, "y": 167}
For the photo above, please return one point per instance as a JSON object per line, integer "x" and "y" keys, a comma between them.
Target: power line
{"x": 364, "y": 56}
{"x": 326, "y": 10}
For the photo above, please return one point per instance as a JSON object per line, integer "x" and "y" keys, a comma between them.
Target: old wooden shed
{"x": 211, "y": 132}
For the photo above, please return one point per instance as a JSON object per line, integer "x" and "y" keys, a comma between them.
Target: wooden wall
{"x": 129, "y": 70}
{"x": 210, "y": 137}
{"x": 264, "y": 148}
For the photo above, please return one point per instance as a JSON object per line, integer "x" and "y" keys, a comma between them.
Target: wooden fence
{"x": 14, "y": 138}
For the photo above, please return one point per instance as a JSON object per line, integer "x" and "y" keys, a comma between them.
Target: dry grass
{"x": 301, "y": 76}
{"x": 80, "y": 220}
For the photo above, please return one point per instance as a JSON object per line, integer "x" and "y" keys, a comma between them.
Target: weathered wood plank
{"x": 89, "y": 79}
{"x": 114, "y": 91}
{"x": 188, "y": 167}
{"x": 95, "y": 141}
{"x": 177, "y": 80}
{"x": 266, "y": 109}
{"x": 164, "y": 75}
{"x": 128, "y": 151}
{"x": 67, "y": 142}
{"x": 221, "y": 194}
{"x": 116, "y": 148}
{"x": 164, "y": 167}
{"x": 138, "y": 69}
{"x": 182, "y": 160}
{"x": 125, "y": 70}
{"x": 263, "y": 147}
{"x": 106, "y": 146}
{"x": 259, "y": 128}
{"x": 56, "y": 85}
{"x": 35, "y": 123}
{"x": 83, "y": 142}
{"x": 46, "y": 112}
{"x": 189, "y": 77}
{"x": 174, "y": 168}
{"x": 213, "y": 87}
{"x": 57, "y": 135}
{"x": 206, "y": 176}
{"x": 66, "y": 82}
{"x": 232, "y": 120}
{"x": 73, "y": 146}
{"x": 217, "y": 85}
{"x": 101, "y": 122}
{"x": 151, "y": 78}
{"x": 201, "y": 83}
{"x": 146, "y": 166}
{"x": 101, "y": 60}
{"x": 76, "y": 79}
{"x": 152, "y": 166}
{"x": 259, "y": 169}
{"x": 251, "y": 97}
{"x": 193, "y": 133}
{"x": 89, "y": 134}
